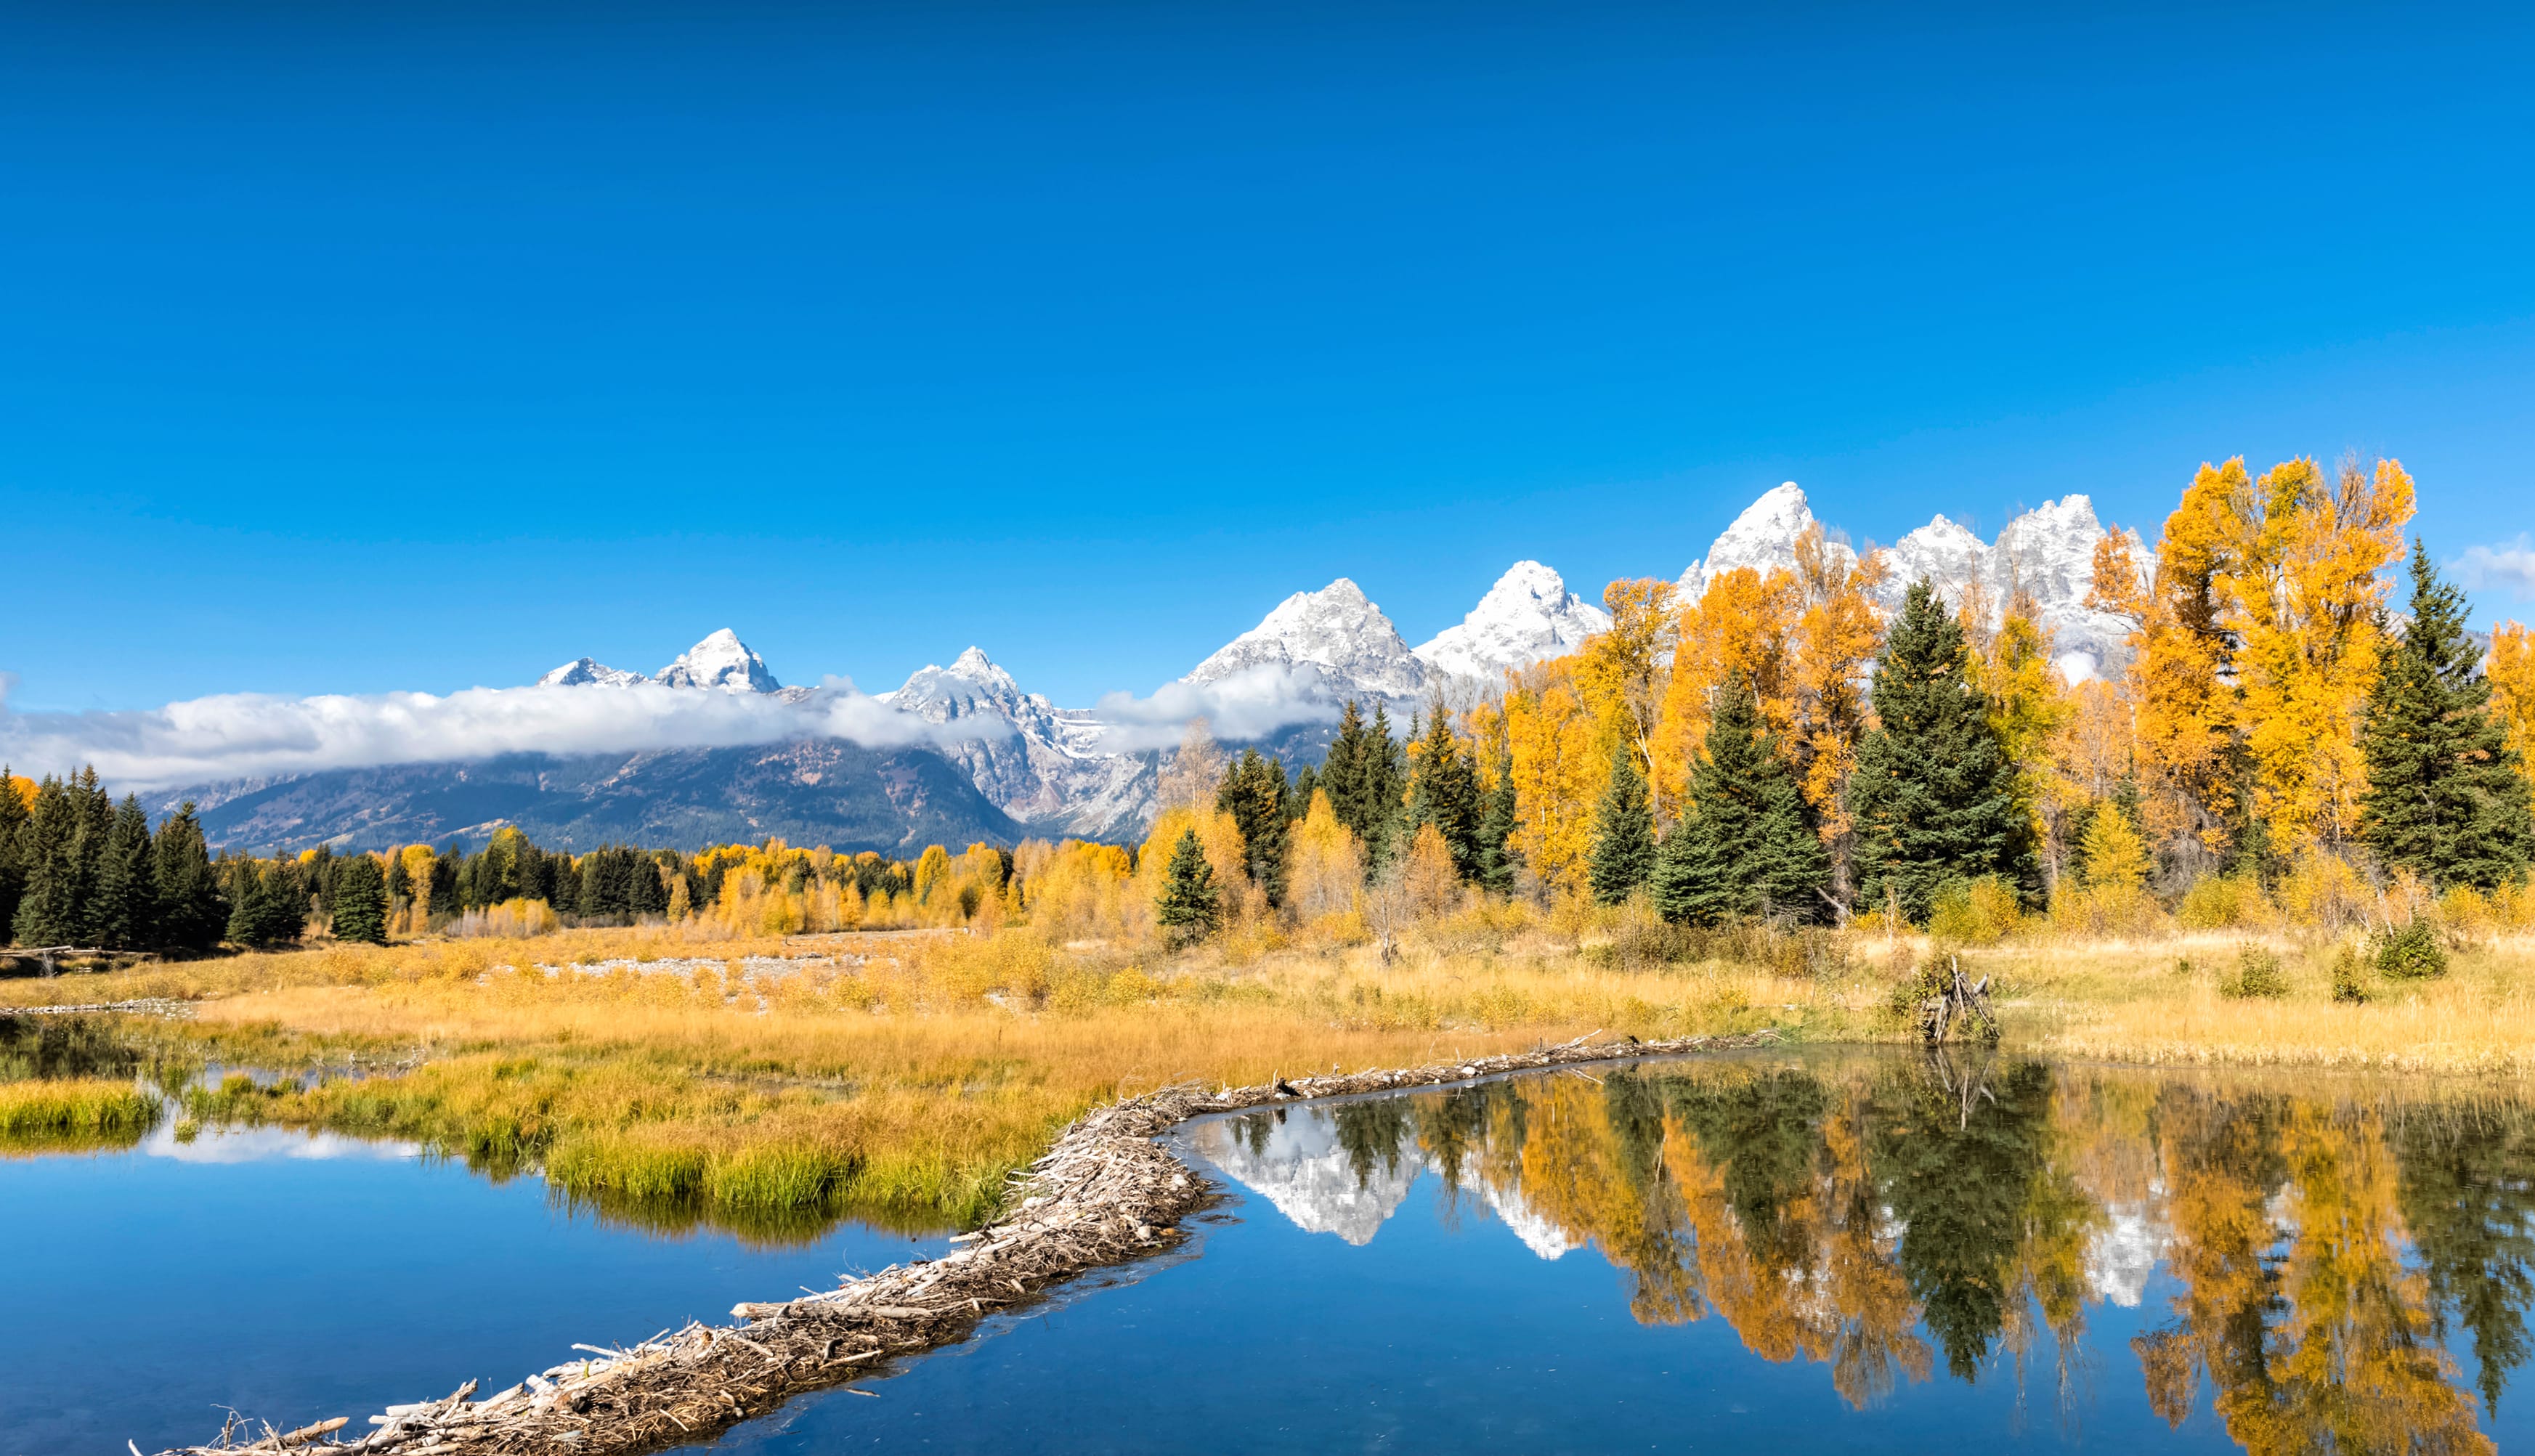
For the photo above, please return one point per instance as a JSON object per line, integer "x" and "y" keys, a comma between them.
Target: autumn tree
{"x": 1743, "y": 625}
{"x": 1934, "y": 793}
{"x": 1620, "y": 673}
{"x": 1195, "y": 771}
{"x": 2447, "y": 797}
{"x": 2116, "y": 856}
{"x": 1624, "y": 831}
{"x": 1559, "y": 767}
{"x": 1743, "y": 846}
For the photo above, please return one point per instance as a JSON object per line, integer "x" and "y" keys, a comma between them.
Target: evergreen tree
{"x": 13, "y": 867}
{"x": 1500, "y": 861}
{"x": 1256, "y": 795}
{"x": 317, "y": 872}
{"x": 1446, "y": 793}
{"x": 127, "y": 883}
{"x": 2447, "y": 794}
{"x": 94, "y": 810}
{"x": 361, "y": 902}
{"x": 1747, "y": 846}
{"x": 1622, "y": 857}
{"x": 267, "y": 907}
{"x": 192, "y": 911}
{"x": 1364, "y": 780}
{"x": 1307, "y": 780}
{"x": 1188, "y": 909}
{"x": 48, "y": 910}
{"x": 1934, "y": 794}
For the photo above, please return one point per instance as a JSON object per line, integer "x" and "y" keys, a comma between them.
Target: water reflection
{"x": 2316, "y": 1261}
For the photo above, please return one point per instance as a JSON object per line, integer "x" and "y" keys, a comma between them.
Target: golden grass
{"x": 73, "y": 1115}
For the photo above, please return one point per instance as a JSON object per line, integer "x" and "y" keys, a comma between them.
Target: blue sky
{"x": 350, "y": 348}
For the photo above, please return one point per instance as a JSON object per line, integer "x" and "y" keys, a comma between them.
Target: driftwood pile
{"x": 1107, "y": 1193}
{"x": 1956, "y": 1003}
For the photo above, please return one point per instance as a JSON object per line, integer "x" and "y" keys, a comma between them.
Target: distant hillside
{"x": 809, "y": 792}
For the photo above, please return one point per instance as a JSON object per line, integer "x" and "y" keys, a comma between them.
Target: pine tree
{"x": 1748, "y": 846}
{"x": 48, "y": 910}
{"x": 13, "y": 865}
{"x": 1934, "y": 794}
{"x": 192, "y": 912}
{"x": 1624, "y": 832}
{"x": 1188, "y": 909}
{"x": 126, "y": 914}
{"x": 1447, "y": 794}
{"x": 95, "y": 826}
{"x": 1254, "y": 794}
{"x": 267, "y": 907}
{"x": 361, "y": 902}
{"x": 1499, "y": 860}
{"x": 1366, "y": 782}
{"x": 2447, "y": 794}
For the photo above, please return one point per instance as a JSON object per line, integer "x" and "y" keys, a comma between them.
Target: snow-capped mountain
{"x": 721, "y": 661}
{"x": 1306, "y": 1172}
{"x": 1336, "y": 632}
{"x": 2048, "y": 551}
{"x": 1528, "y": 615}
{"x": 586, "y": 672}
{"x": 1032, "y": 760}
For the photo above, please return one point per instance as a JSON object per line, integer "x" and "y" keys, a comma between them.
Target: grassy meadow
{"x": 768, "y": 1084}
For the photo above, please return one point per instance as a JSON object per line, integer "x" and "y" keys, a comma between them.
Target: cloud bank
{"x": 247, "y": 735}
{"x": 2508, "y": 567}
{"x": 1250, "y": 703}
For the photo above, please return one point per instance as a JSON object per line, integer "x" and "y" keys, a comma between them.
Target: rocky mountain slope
{"x": 1036, "y": 762}
{"x": 1528, "y": 615}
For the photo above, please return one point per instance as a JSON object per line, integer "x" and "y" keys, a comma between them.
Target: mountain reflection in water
{"x": 2329, "y": 1249}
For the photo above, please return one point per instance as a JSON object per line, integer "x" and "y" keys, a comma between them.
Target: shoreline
{"x": 1107, "y": 1193}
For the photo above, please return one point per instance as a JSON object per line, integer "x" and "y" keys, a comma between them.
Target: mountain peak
{"x": 722, "y": 660}
{"x": 1337, "y": 630}
{"x": 1763, "y": 537}
{"x": 585, "y": 672}
{"x": 977, "y": 667}
{"x": 1526, "y": 616}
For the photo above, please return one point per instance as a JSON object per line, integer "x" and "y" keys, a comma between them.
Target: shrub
{"x": 1975, "y": 911}
{"x": 2221, "y": 903}
{"x": 2323, "y": 891}
{"x": 2347, "y": 985}
{"x": 2411, "y": 952}
{"x": 2257, "y": 975}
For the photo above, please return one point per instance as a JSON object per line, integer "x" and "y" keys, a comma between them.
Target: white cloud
{"x": 246, "y": 735}
{"x": 1250, "y": 703}
{"x": 2508, "y": 567}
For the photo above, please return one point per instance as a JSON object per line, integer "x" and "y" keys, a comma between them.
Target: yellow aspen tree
{"x": 2027, "y": 706}
{"x": 2116, "y": 856}
{"x": 1838, "y": 636}
{"x": 1325, "y": 873}
{"x": 2303, "y": 588}
{"x": 1560, "y": 763}
{"x": 1619, "y": 673}
{"x": 2511, "y": 670}
{"x": 1742, "y": 623}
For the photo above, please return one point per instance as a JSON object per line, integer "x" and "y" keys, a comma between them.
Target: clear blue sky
{"x": 352, "y": 347}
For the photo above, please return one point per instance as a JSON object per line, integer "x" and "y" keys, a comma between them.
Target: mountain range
{"x": 984, "y": 759}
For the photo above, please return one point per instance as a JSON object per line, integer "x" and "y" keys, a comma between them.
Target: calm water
{"x": 1800, "y": 1253}
{"x": 296, "y": 1277}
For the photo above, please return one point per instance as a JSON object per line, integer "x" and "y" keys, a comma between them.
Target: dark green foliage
{"x": 1760, "y": 1134}
{"x": 1188, "y": 909}
{"x": 12, "y": 868}
{"x": 1254, "y": 794}
{"x": 1623, "y": 856}
{"x": 1446, "y": 793}
{"x": 2465, "y": 1182}
{"x": 95, "y": 820}
{"x": 1966, "y": 1173}
{"x": 1373, "y": 1131}
{"x": 1934, "y": 793}
{"x": 1745, "y": 845}
{"x": 615, "y": 883}
{"x": 126, "y": 915}
{"x": 267, "y": 906}
{"x": 1500, "y": 861}
{"x": 48, "y": 911}
{"x": 2257, "y": 977}
{"x": 1366, "y": 779}
{"x": 360, "y": 900}
{"x": 2446, "y": 796}
{"x": 1307, "y": 781}
{"x": 192, "y": 911}
{"x": 2411, "y": 952}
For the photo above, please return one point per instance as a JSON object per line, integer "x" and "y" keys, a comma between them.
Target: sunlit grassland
{"x": 73, "y": 1115}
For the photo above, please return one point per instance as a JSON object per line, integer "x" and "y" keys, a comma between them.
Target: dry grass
{"x": 73, "y": 1115}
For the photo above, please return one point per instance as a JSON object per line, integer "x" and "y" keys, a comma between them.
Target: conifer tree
{"x": 1747, "y": 846}
{"x": 1447, "y": 794}
{"x": 1366, "y": 782}
{"x": 1934, "y": 794}
{"x": 13, "y": 869}
{"x": 192, "y": 912}
{"x": 1188, "y": 910}
{"x": 1499, "y": 860}
{"x": 1624, "y": 832}
{"x": 1254, "y": 794}
{"x": 2116, "y": 856}
{"x": 95, "y": 824}
{"x": 126, "y": 913}
{"x": 360, "y": 901}
{"x": 48, "y": 910}
{"x": 2447, "y": 794}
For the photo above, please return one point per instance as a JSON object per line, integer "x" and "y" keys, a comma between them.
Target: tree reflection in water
{"x": 1867, "y": 1212}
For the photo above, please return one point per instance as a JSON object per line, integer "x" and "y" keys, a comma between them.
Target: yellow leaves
{"x": 1620, "y": 674}
{"x": 1560, "y": 763}
{"x": 2116, "y": 856}
{"x": 2512, "y": 685}
{"x": 1073, "y": 891}
{"x": 1744, "y": 623}
{"x": 1217, "y": 834}
{"x": 932, "y": 871}
{"x": 2027, "y": 706}
{"x": 23, "y": 787}
{"x": 1433, "y": 886}
{"x": 1324, "y": 873}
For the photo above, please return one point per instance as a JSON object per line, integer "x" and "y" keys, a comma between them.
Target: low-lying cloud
{"x": 1251, "y": 703}
{"x": 2508, "y": 567}
{"x": 247, "y": 735}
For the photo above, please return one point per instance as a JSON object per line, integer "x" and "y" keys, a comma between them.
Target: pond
{"x": 154, "y": 1286}
{"x": 1829, "y": 1252}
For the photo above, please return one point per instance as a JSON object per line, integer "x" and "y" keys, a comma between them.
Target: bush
{"x": 2258, "y": 976}
{"x": 1975, "y": 911}
{"x": 2347, "y": 985}
{"x": 2221, "y": 903}
{"x": 2411, "y": 952}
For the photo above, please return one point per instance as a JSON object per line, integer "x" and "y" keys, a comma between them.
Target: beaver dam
{"x": 1105, "y": 1195}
